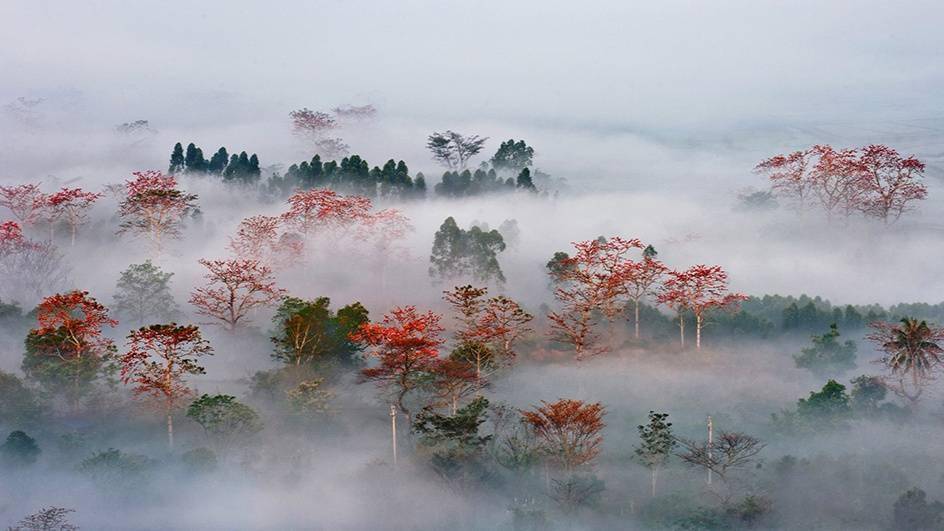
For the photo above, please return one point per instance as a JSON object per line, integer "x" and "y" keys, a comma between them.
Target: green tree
{"x": 656, "y": 445}
{"x": 472, "y": 253}
{"x": 827, "y": 354}
{"x": 524, "y": 182}
{"x": 19, "y": 449}
{"x": 218, "y": 161}
{"x": 19, "y": 405}
{"x": 513, "y": 156}
{"x": 309, "y": 332}
{"x": 177, "y": 163}
{"x": 226, "y": 421}
{"x": 453, "y": 441}
{"x": 143, "y": 295}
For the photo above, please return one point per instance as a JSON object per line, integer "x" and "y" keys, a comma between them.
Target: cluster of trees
{"x": 874, "y": 181}
{"x": 601, "y": 278}
{"x": 242, "y": 168}
{"x": 466, "y": 254}
{"x": 509, "y": 166}
{"x": 31, "y": 207}
{"x": 352, "y": 175}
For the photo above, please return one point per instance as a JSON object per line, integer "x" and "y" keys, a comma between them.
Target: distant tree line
{"x": 241, "y": 168}
{"x": 353, "y": 175}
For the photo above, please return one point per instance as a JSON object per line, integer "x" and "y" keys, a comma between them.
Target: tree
{"x": 570, "y": 430}
{"x": 159, "y": 359}
{"x": 829, "y": 406}
{"x": 827, "y": 353}
{"x": 640, "y": 280}
{"x": 177, "y": 161}
{"x": 587, "y": 282}
{"x": 308, "y": 332}
{"x": 234, "y": 289}
{"x": 890, "y": 182}
{"x": 453, "y": 150}
{"x": 472, "y": 253}
{"x": 453, "y": 441}
{"x": 226, "y": 421}
{"x": 313, "y": 127}
{"x": 513, "y": 156}
{"x": 24, "y": 201}
{"x": 406, "y": 345}
{"x": 143, "y": 293}
{"x": 19, "y": 449}
{"x": 503, "y": 323}
{"x": 728, "y": 452}
{"x": 19, "y": 405}
{"x": 29, "y": 269}
{"x": 324, "y": 210}
{"x": 154, "y": 208}
{"x": 467, "y": 302}
{"x": 524, "y": 182}
{"x": 66, "y": 350}
{"x": 258, "y": 238}
{"x": 913, "y": 512}
{"x": 455, "y": 378}
{"x": 698, "y": 288}
{"x": 71, "y": 205}
{"x": 912, "y": 352}
{"x": 656, "y": 445}
{"x": 47, "y": 519}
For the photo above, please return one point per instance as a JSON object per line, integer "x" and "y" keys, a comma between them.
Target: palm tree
{"x": 911, "y": 349}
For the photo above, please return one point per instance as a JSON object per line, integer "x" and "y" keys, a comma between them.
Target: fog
{"x": 649, "y": 119}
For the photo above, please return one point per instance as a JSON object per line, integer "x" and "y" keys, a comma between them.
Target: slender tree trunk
{"x": 73, "y": 236}
{"x": 393, "y": 432}
{"x": 682, "y": 328}
{"x": 653, "y": 477}
{"x": 170, "y": 431}
{"x": 711, "y": 433}
{"x": 697, "y": 331}
{"x": 636, "y": 312}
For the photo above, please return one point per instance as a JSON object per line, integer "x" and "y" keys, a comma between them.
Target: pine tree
{"x": 177, "y": 163}
{"x": 218, "y": 161}
{"x": 656, "y": 444}
{"x": 524, "y": 181}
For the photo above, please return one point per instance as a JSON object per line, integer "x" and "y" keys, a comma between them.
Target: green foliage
{"x": 225, "y": 420}
{"x": 177, "y": 162}
{"x": 71, "y": 378}
{"x": 468, "y": 184}
{"x": 513, "y": 156}
{"x": 353, "y": 175}
{"x": 472, "y": 254}
{"x": 524, "y": 181}
{"x": 19, "y": 405}
{"x": 19, "y": 449}
{"x": 116, "y": 470}
{"x": 577, "y": 492}
{"x": 242, "y": 168}
{"x": 827, "y": 355}
{"x": 308, "y": 332}
{"x": 913, "y": 512}
{"x": 656, "y": 441}
{"x": 453, "y": 442}
{"x": 309, "y": 398}
{"x": 827, "y": 409}
{"x": 143, "y": 295}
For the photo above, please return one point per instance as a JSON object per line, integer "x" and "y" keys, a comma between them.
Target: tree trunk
{"x": 682, "y": 329}
{"x": 697, "y": 331}
{"x": 653, "y": 476}
{"x": 636, "y": 312}
{"x": 170, "y": 431}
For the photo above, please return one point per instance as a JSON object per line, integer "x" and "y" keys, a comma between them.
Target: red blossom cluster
{"x": 697, "y": 289}
{"x": 154, "y": 207}
{"x": 235, "y": 287}
{"x": 77, "y": 320}
{"x": 875, "y": 180}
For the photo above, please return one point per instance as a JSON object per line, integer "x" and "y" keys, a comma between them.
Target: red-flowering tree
{"x": 259, "y": 238}
{"x": 569, "y": 431}
{"x": 314, "y": 127}
{"x": 588, "y": 281}
{"x": 874, "y": 180}
{"x": 70, "y": 205}
{"x": 503, "y": 323}
{"x": 154, "y": 207}
{"x": 68, "y": 344}
{"x": 697, "y": 289}
{"x": 890, "y": 182}
{"x": 321, "y": 210}
{"x": 25, "y": 201}
{"x": 406, "y": 346}
{"x": 454, "y": 380}
{"x": 641, "y": 280}
{"x": 27, "y": 268}
{"x": 235, "y": 288}
{"x": 159, "y": 359}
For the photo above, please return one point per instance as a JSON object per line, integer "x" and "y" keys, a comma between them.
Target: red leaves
{"x": 70, "y": 204}
{"x": 25, "y": 201}
{"x": 79, "y": 319}
{"x": 235, "y": 288}
{"x": 11, "y": 238}
{"x": 154, "y": 207}
{"x": 406, "y": 344}
{"x": 698, "y": 288}
{"x": 324, "y": 209}
{"x": 570, "y": 430}
{"x": 874, "y": 180}
{"x": 258, "y": 238}
{"x": 158, "y": 359}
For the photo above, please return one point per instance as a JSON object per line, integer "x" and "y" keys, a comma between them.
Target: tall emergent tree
{"x": 159, "y": 359}
{"x": 459, "y": 254}
{"x": 698, "y": 289}
{"x": 513, "y": 156}
{"x": 309, "y": 332}
{"x": 569, "y": 430}
{"x": 154, "y": 207}
{"x": 406, "y": 346}
{"x": 453, "y": 150}
{"x": 66, "y": 352}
